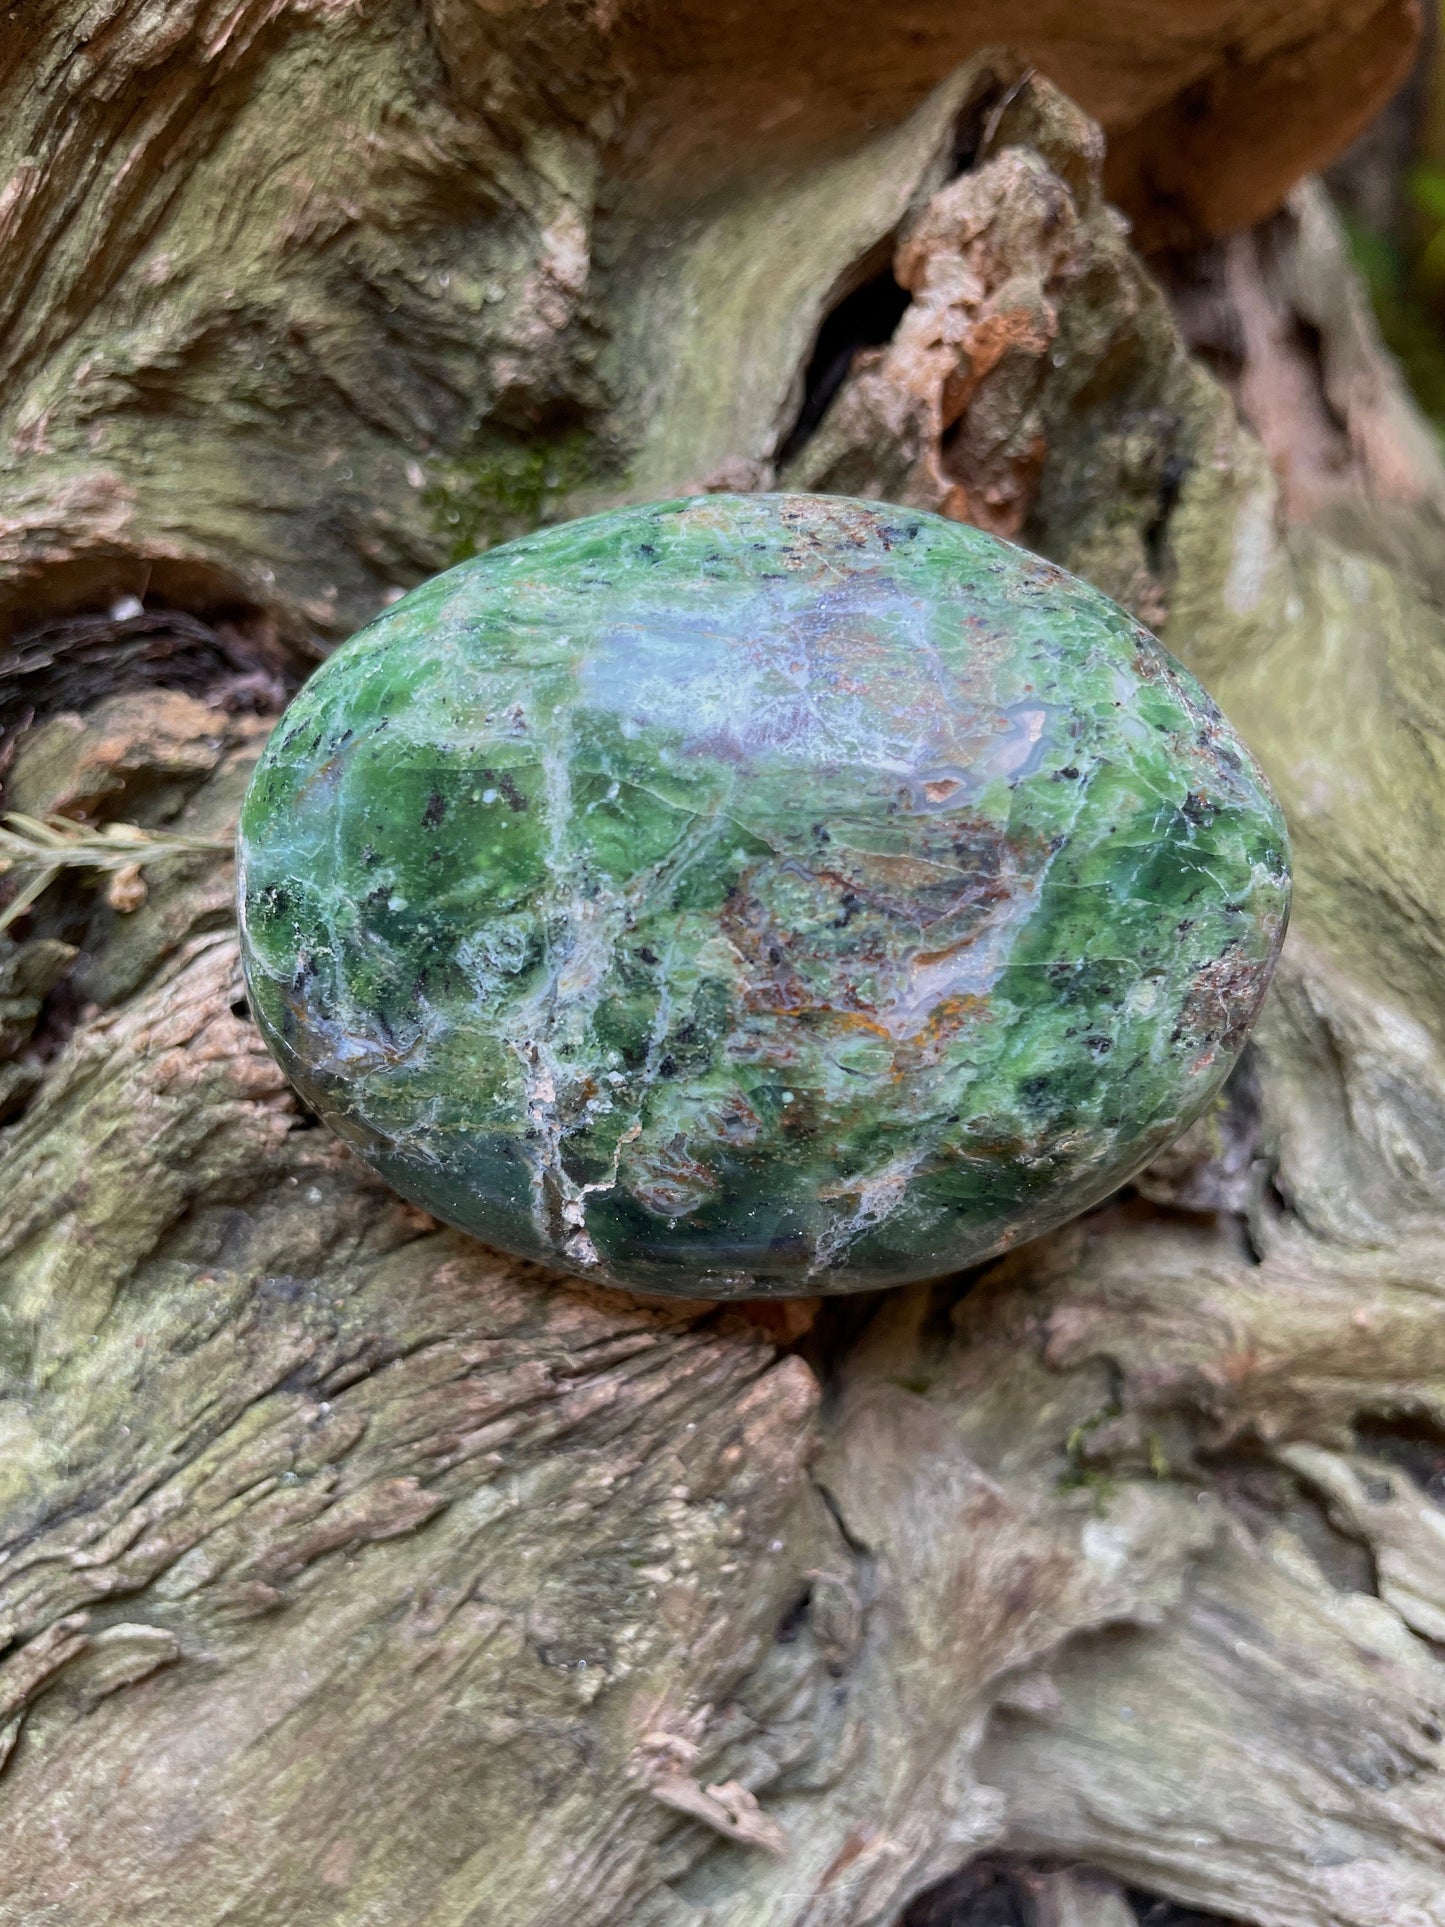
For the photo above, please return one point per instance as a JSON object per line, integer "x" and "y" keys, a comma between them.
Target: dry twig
{"x": 47, "y": 846}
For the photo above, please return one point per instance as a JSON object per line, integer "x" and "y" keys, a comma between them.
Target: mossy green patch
{"x": 508, "y": 487}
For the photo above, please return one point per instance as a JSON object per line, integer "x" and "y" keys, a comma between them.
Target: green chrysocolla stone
{"x": 758, "y": 894}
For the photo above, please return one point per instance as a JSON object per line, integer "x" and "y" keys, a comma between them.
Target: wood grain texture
{"x": 301, "y": 295}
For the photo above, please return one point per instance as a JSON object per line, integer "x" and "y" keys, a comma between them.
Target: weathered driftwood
{"x": 352, "y": 1574}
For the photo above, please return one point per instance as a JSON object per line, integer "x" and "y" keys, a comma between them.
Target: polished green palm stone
{"x": 758, "y": 894}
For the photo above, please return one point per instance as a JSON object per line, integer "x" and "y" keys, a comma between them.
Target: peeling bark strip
{"x": 730, "y": 1810}
{"x": 350, "y": 1573}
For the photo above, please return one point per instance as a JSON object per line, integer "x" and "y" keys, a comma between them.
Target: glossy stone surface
{"x": 758, "y": 894}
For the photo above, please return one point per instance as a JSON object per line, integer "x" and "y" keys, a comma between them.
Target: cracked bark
{"x": 349, "y": 1572}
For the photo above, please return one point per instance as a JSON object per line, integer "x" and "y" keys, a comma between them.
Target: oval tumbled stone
{"x": 757, "y": 894}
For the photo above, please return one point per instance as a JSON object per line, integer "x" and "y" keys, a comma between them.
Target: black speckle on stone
{"x": 1071, "y": 774}
{"x": 1197, "y": 809}
{"x": 436, "y": 809}
{"x": 648, "y": 954}
{"x": 506, "y": 783}
{"x": 668, "y": 1066}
